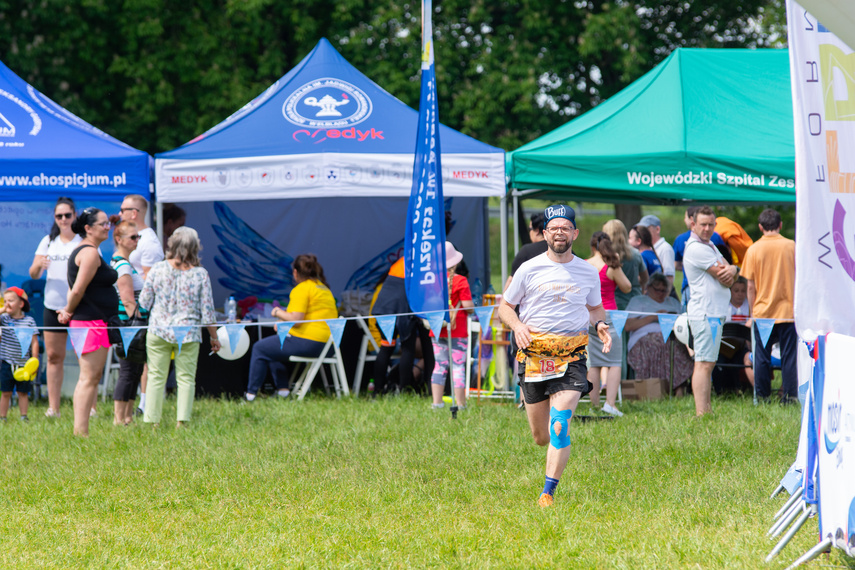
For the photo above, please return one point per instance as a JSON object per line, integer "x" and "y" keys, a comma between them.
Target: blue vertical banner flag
{"x": 424, "y": 240}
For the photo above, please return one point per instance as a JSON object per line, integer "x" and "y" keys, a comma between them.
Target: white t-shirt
{"x": 552, "y": 296}
{"x": 738, "y": 314}
{"x": 644, "y": 304}
{"x": 709, "y": 298}
{"x": 665, "y": 253}
{"x": 148, "y": 251}
{"x": 56, "y": 276}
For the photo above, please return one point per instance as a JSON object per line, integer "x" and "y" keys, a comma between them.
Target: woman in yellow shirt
{"x": 310, "y": 300}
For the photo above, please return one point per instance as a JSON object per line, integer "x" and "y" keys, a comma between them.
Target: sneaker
{"x": 92, "y": 413}
{"x": 25, "y": 419}
{"x": 284, "y": 393}
{"x": 612, "y": 411}
{"x": 545, "y": 500}
{"x": 438, "y": 406}
{"x": 249, "y": 397}
{"x": 51, "y": 413}
{"x": 138, "y": 412}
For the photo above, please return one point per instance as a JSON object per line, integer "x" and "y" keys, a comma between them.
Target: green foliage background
{"x": 156, "y": 73}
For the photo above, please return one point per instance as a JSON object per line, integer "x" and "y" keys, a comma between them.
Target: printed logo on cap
{"x": 553, "y": 211}
{"x": 327, "y": 102}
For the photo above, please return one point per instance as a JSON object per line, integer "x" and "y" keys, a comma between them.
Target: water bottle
{"x": 371, "y": 386}
{"x": 231, "y": 309}
{"x": 476, "y": 292}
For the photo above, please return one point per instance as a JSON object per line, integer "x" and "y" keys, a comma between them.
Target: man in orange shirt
{"x": 770, "y": 268}
{"x": 735, "y": 236}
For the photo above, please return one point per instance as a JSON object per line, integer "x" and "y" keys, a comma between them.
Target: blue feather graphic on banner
{"x": 252, "y": 265}
{"x": 336, "y": 330}
{"x": 387, "y": 326}
{"x": 666, "y": 325}
{"x": 282, "y": 329}
{"x": 25, "y": 337}
{"x": 78, "y": 338}
{"x": 180, "y": 334}
{"x": 128, "y": 334}
{"x": 619, "y": 320}
{"x": 764, "y": 327}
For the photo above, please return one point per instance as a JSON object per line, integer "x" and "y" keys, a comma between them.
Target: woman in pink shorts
{"x": 92, "y": 302}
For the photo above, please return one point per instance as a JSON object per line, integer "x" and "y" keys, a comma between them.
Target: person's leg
{"x": 612, "y": 383}
{"x": 706, "y": 355}
{"x": 405, "y": 363}
{"x": 381, "y": 368}
{"x": 423, "y": 349}
{"x": 264, "y": 352}
{"x": 185, "y": 379}
{"x": 789, "y": 339}
{"x": 5, "y": 401}
{"x": 143, "y": 384}
{"x": 159, "y": 354}
{"x": 594, "y": 378}
{"x": 702, "y": 387}
{"x": 86, "y": 391}
{"x": 23, "y": 398}
{"x": 458, "y": 370}
{"x": 55, "y": 349}
{"x": 558, "y": 451}
{"x": 762, "y": 366}
{"x": 437, "y": 381}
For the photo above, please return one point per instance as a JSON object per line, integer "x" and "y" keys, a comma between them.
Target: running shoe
{"x": 545, "y": 500}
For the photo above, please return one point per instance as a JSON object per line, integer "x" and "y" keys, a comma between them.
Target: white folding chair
{"x": 368, "y": 351}
{"x": 330, "y": 355}
{"x": 474, "y": 329}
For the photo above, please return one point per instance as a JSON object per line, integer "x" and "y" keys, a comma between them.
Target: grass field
{"x": 394, "y": 484}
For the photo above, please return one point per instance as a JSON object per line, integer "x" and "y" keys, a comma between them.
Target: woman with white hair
{"x": 177, "y": 292}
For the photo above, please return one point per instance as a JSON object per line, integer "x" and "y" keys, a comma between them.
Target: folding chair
{"x": 367, "y": 353}
{"x": 111, "y": 373}
{"x": 330, "y": 355}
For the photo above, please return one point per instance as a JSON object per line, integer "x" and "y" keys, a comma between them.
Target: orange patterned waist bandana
{"x": 549, "y": 354}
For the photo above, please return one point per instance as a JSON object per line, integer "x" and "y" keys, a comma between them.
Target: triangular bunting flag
{"x": 282, "y": 329}
{"x": 180, "y": 334}
{"x": 715, "y": 323}
{"x": 387, "y": 326}
{"x": 78, "y": 338}
{"x": 666, "y": 325}
{"x": 435, "y": 321}
{"x": 25, "y": 337}
{"x": 618, "y": 320}
{"x": 336, "y": 329}
{"x": 764, "y": 326}
{"x": 234, "y": 334}
{"x": 128, "y": 334}
{"x": 485, "y": 315}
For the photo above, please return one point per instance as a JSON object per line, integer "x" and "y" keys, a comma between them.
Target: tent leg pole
{"x": 812, "y": 553}
{"x": 795, "y": 528}
{"x": 503, "y": 231}
{"x": 785, "y": 520}
{"x": 776, "y": 491}
{"x": 516, "y": 224}
{"x": 788, "y": 504}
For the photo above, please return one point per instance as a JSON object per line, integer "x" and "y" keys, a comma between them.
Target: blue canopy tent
{"x": 324, "y": 130}
{"x": 47, "y": 152}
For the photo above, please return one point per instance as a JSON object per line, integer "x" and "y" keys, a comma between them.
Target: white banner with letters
{"x": 837, "y": 445}
{"x": 823, "y": 78}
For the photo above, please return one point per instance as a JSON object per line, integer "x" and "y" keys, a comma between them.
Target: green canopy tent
{"x": 704, "y": 126}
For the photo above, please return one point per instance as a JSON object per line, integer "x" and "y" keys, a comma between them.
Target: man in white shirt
{"x": 148, "y": 252}
{"x": 149, "y": 249}
{"x": 663, "y": 249}
{"x": 559, "y": 297}
{"x": 710, "y": 278}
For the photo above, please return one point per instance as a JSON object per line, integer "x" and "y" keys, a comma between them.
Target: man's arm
{"x": 597, "y": 315}
{"x": 752, "y": 295}
{"x": 508, "y": 315}
{"x": 724, "y": 272}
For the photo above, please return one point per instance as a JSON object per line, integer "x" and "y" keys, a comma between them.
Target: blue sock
{"x": 550, "y": 485}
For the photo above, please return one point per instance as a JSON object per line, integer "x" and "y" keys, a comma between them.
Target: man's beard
{"x": 560, "y": 248}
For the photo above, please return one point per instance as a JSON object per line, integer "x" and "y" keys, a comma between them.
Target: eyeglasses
{"x": 562, "y": 229}
{"x": 659, "y": 289}
{"x": 126, "y": 209}
{"x": 106, "y": 224}
{"x": 134, "y": 237}
{"x": 66, "y": 215}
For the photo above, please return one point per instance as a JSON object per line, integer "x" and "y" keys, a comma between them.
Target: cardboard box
{"x": 647, "y": 389}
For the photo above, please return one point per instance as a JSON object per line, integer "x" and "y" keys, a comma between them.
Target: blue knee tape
{"x": 561, "y": 439}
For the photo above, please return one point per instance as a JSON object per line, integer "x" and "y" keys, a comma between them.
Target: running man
{"x": 559, "y": 296}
